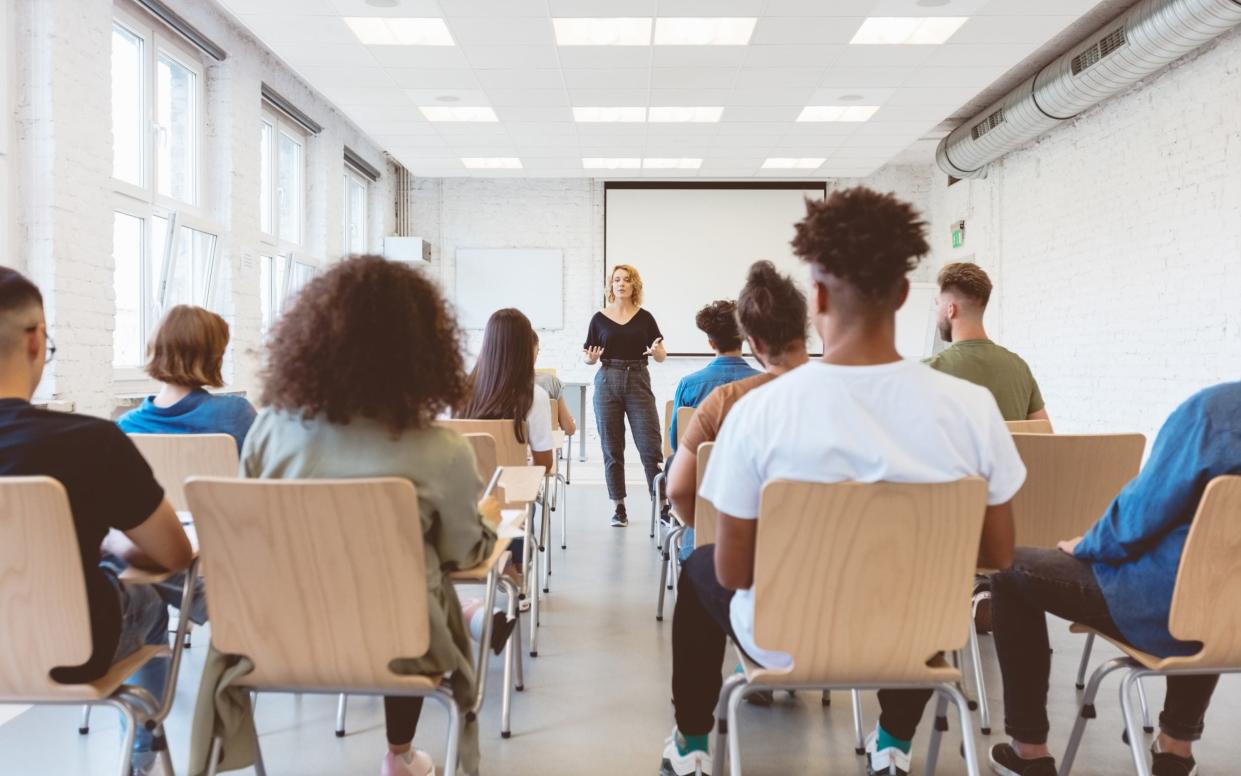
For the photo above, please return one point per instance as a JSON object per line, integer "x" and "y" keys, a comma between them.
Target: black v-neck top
{"x": 623, "y": 342}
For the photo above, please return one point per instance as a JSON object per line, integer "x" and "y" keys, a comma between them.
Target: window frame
{"x": 352, "y": 176}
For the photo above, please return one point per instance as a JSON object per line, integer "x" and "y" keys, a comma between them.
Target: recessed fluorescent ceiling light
{"x": 603, "y": 32}
{"x": 671, "y": 164}
{"x": 697, "y": 114}
{"x": 804, "y": 163}
{"x": 492, "y": 163}
{"x": 378, "y": 31}
{"x": 837, "y": 112}
{"x": 632, "y": 114}
{"x": 704, "y": 32}
{"x": 458, "y": 113}
{"x": 908, "y": 30}
{"x": 602, "y": 163}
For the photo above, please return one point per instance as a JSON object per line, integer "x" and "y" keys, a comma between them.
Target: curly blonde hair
{"x": 634, "y": 278}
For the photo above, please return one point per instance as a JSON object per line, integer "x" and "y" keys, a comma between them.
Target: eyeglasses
{"x": 51, "y": 344}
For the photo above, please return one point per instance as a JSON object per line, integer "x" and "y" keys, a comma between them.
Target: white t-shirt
{"x": 897, "y": 422}
{"x": 539, "y": 421}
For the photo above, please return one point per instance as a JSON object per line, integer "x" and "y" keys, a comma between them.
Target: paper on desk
{"x": 512, "y": 525}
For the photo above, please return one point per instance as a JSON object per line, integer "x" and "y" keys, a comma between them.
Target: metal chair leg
{"x": 131, "y": 731}
{"x": 1147, "y": 727}
{"x": 722, "y": 724}
{"x": 734, "y": 740}
{"x": 1081, "y": 668}
{"x": 937, "y": 731}
{"x": 663, "y": 572}
{"x": 213, "y": 760}
{"x": 859, "y": 738}
{"x": 454, "y": 730}
{"x": 340, "y": 715}
{"x": 84, "y": 725}
{"x": 967, "y": 728}
{"x": 655, "y": 490}
{"x": 564, "y": 512}
{"x": 980, "y": 683}
{"x": 1087, "y": 712}
{"x": 1136, "y": 739}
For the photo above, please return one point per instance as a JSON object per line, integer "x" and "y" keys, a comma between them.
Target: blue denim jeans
{"x": 623, "y": 388}
{"x": 144, "y": 621}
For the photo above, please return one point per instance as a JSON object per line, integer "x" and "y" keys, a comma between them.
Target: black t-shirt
{"x": 109, "y": 485}
{"x": 624, "y": 342}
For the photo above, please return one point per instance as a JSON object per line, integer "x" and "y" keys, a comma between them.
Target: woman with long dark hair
{"x": 502, "y": 387}
{"x": 622, "y": 335}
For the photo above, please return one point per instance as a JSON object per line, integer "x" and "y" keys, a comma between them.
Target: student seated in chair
{"x": 772, "y": 313}
{"x": 117, "y": 505}
{"x": 1118, "y": 579}
{"x": 555, "y": 390}
{"x": 860, "y": 413}
{"x": 718, "y": 321}
{"x": 358, "y": 369}
{"x": 964, "y": 290}
{"x": 186, "y": 354}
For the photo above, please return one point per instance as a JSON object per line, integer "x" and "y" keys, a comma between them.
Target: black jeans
{"x": 1042, "y": 581}
{"x": 624, "y": 388}
{"x": 700, "y": 629}
{"x": 401, "y": 715}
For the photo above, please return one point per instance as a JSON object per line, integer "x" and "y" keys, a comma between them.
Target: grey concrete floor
{"x": 597, "y": 698}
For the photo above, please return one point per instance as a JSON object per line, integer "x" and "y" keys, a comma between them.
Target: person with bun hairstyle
{"x": 622, "y": 335}
{"x": 859, "y": 413}
{"x": 771, "y": 311}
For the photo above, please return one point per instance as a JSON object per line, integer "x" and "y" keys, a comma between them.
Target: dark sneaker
{"x": 889, "y": 761}
{"x": 620, "y": 519}
{"x": 1005, "y": 762}
{"x": 1167, "y": 764}
{"x": 762, "y": 698}
{"x": 501, "y": 629}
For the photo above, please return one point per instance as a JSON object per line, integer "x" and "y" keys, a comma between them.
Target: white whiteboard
{"x": 530, "y": 279}
{"x": 693, "y": 246}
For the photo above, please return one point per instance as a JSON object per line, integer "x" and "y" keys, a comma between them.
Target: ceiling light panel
{"x": 601, "y": 114}
{"x": 837, "y": 112}
{"x": 799, "y": 163}
{"x": 609, "y": 163}
{"x": 696, "y": 114}
{"x": 624, "y": 31}
{"x": 662, "y": 163}
{"x": 907, "y": 30}
{"x": 491, "y": 162}
{"x": 458, "y": 113}
{"x": 708, "y": 31}
{"x": 377, "y": 31}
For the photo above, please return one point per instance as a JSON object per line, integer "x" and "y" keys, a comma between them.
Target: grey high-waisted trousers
{"x": 624, "y": 388}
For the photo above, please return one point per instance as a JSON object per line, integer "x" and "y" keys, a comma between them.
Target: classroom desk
{"x": 581, "y": 420}
{"x": 521, "y": 483}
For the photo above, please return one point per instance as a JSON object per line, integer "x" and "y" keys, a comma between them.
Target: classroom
{"x": 678, "y": 387}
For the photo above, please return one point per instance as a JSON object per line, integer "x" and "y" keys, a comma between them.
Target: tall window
{"x": 355, "y": 212}
{"x": 164, "y": 245}
{"x": 285, "y": 265}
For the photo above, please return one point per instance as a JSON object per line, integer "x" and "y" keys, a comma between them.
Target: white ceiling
{"x": 506, "y": 57}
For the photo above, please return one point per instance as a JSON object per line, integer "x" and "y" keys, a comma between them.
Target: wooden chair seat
{"x": 497, "y": 559}
{"x": 104, "y": 686}
{"x": 394, "y": 684}
{"x": 937, "y": 670}
{"x": 1147, "y": 660}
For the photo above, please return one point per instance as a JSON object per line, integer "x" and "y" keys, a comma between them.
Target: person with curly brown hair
{"x": 358, "y": 369}
{"x": 860, "y": 413}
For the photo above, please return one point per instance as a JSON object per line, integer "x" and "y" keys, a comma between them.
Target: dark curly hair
{"x": 772, "y": 309}
{"x": 867, "y": 239}
{"x": 719, "y": 321}
{"x": 368, "y": 338}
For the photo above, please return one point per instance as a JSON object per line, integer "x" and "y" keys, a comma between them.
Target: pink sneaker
{"x": 419, "y": 765}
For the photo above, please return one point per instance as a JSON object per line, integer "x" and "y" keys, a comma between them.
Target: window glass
{"x": 265, "y": 214}
{"x": 289, "y": 188}
{"x": 355, "y": 215}
{"x": 175, "y": 118}
{"x": 127, "y": 344}
{"x": 127, "y": 121}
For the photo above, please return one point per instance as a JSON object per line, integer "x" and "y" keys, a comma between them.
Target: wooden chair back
{"x": 1040, "y": 426}
{"x": 42, "y": 589}
{"x": 1208, "y": 584}
{"x": 706, "y": 516}
{"x": 545, "y": 370}
{"x": 485, "y": 455}
{"x": 173, "y": 458}
{"x": 667, "y": 429}
{"x": 555, "y": 415}
{"x": 509, "y": 452}
{"x": 1070, "y": 481}
{"x": 826, "y": 554}
{"x": 684, "y": 416}
{"x": 321, "y": 583}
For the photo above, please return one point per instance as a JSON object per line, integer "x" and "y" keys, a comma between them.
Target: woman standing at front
{"x": 623, "y": 334}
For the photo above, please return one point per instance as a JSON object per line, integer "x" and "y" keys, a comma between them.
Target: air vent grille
{"x": 988, "y": 124}
{"x": 1105, "y": 45}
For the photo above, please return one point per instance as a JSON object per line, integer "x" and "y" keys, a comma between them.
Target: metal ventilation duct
{"x": 1141, "y": 41}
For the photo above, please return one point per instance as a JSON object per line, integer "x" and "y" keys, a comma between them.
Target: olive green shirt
{"x": 1001, "y": 371}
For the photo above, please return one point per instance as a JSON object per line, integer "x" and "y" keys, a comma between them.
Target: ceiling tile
{"x": 806, "y": 30}
{"x": 346, "y": 96}
{"x": 755, "y": 128}
{"x": 692, "y": 78}
{"x": 494, "y": 8}
{"x": 406, "y": 8}
{"x": 523, "y": 114}
{"x": 991, "y": 55}
{"x": 447, "y": 97}
{"x": 865, "y": 77}
{"x": 502, "y": 32}
{"x": 418, "y": 78}
{"x": 351, "y": 55}
{"x": 850, "y": 96}
{"x": 698, "y": 56}
{"x": 975, "y": 77}
{"x": 1041, "y": 8}
{"x": 819, "y": 56}
{"x": 325, "y": 77}
{"x": 530, "y": 132}
{"x": 912, "y": 113}
{"x": 859, "y": 8}
{"x": 275, "y": 30}
{"x": 626, "y": 78}
{"x": 780, "y": 77}
{"x": 523, "y": 57}
{"x": 762, "y": 114}
{"x": 708, "y": 8}
{"x": 605, "y": 57}
{"x": 950, "y": 96}
{"x": 532, "y": 98}
{"x": 884, "y": 56}
{"x": 425, "y": 57}
{"x": 291, "y": 7}
{"x": 772, "y": 96}
{"x": 688, "y": 97}
{"x": 511, "y": 78}
{"x": 916, "y": 8}
{"x": 571, "y": 9}
{"x": 607, "y": 98}
{"x": 1010, "y": 29}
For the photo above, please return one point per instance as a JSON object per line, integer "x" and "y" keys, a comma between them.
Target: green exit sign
{"x": 958, "y": 234}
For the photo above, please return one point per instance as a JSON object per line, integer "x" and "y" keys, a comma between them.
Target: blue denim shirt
{"x": 695, "y": 387}
{"x": 1136, "y": 546}
{"x": 198, "y": 413}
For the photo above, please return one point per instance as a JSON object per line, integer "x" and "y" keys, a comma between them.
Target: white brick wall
{"x": 60, "y": 174}
{"x": 564, "y": 213}
{"x": 1115, "y": 245}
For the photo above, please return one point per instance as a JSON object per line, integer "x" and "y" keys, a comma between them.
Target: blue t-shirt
{"x": 696, "y": 386}
{"x": 1136, "y": 546}
{"x": 197, "y": 413}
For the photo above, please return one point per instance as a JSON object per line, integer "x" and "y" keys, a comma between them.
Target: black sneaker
{"x": 619, "y": 518}
{"x": 1168, "y": 764}
{"x": 1005, "y": 762}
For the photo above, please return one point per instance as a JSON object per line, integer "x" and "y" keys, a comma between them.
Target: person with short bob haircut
{"x": 358, "y": 369}
{"x": 187, "y": 356}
